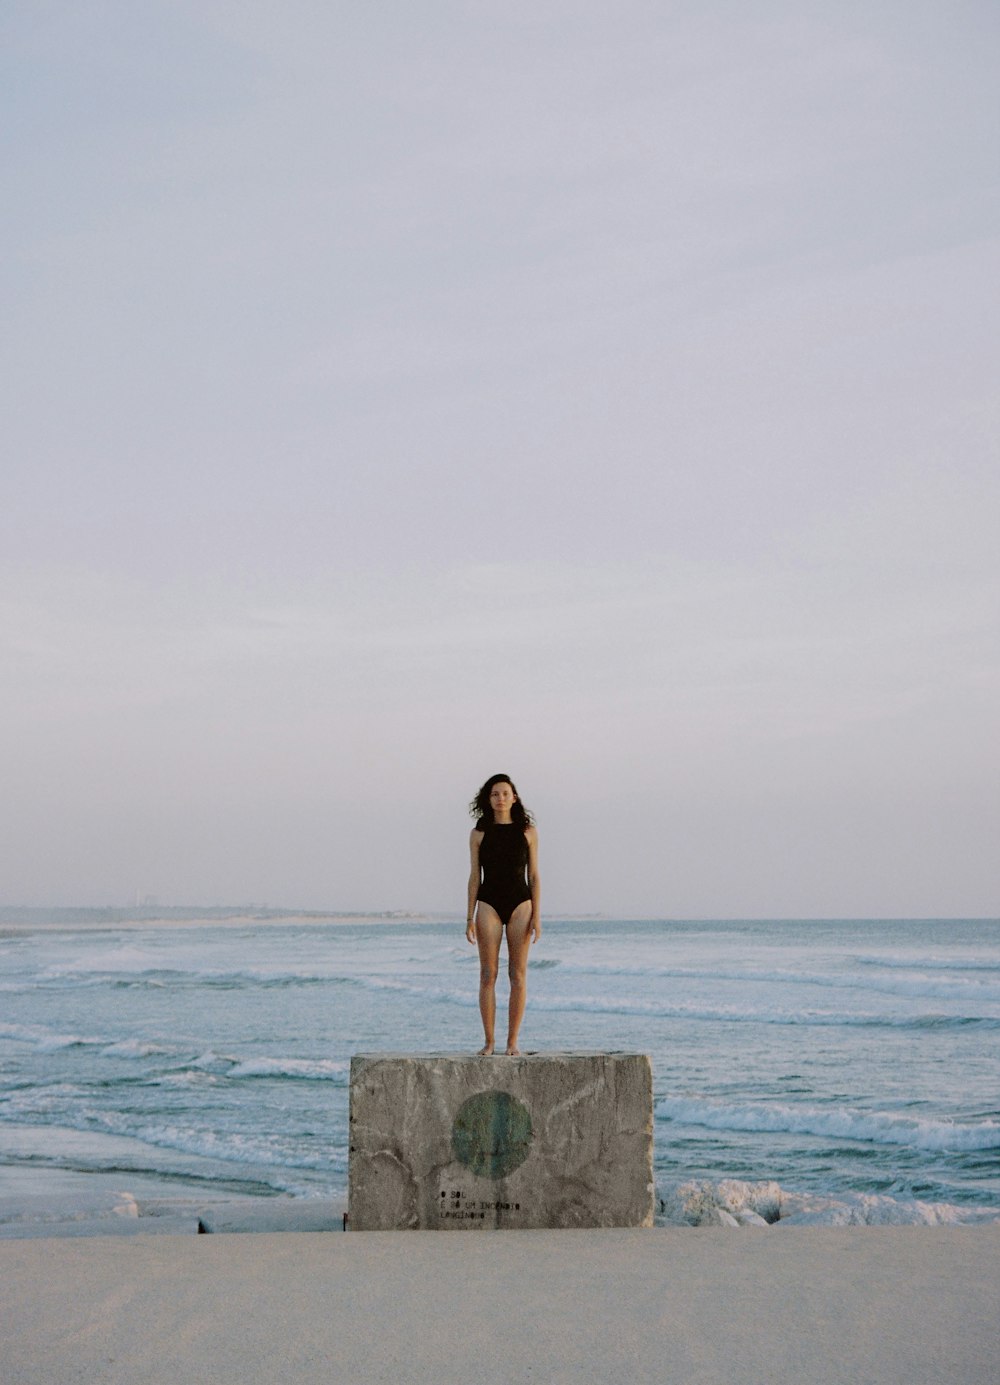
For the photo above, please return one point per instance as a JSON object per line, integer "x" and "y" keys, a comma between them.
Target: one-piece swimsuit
{"x": 503, "y": 855}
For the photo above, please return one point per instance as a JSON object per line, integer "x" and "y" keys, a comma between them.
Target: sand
{"x": 808, "y": 1305}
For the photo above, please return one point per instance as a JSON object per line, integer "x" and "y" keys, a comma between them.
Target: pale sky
{"x": 600, "y": 393}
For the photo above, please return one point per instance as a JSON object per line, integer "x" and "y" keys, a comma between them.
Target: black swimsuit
{"x": 503, "y": 855}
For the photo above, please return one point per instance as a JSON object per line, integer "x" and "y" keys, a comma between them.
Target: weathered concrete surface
{"x": 454, "y": 1142}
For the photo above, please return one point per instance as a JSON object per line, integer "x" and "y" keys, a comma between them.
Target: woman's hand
{"x": 470, "y": 929}
{"x": 535, "y": 928}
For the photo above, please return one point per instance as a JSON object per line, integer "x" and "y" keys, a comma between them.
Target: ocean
{"x": 211, "y": 1058}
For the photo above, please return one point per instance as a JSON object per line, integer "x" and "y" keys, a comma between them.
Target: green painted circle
{"x": 492, "y": 1134}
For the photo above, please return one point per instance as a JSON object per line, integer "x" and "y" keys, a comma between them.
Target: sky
{"x": 598, "y": 393}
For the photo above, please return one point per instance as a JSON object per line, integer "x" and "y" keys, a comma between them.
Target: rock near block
{"x": 459, "y": 1143}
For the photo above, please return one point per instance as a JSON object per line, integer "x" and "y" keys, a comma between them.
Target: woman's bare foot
{"x": 512, "y": 1051}
{"x": 486, "y": 1051}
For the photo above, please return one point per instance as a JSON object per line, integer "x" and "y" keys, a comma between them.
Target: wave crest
{"x": 865, "y": 1127}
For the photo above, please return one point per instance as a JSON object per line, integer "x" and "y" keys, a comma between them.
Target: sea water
{"x": 836, "y": 1057}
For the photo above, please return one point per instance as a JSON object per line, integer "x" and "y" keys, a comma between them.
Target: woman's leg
{"x": 489, "y": 931}
{"x": 518, "y": 945}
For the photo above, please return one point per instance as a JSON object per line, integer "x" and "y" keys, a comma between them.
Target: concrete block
{"x": 453, "y": 1142}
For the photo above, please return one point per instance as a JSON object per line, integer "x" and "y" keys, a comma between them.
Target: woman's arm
{"x": 535, "y": 882}
{"x": 475, "y": 838}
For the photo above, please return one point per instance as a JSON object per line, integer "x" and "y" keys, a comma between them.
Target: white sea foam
{"x": 225, "y": 978}
{"x": 698, "y": 1202}
{"x": 877, "y": 1209}
{"x": 47, "y": 1039}
{"x": 114, "y": 960}
{"x": 229, "y": 1147}
{"x": 863, "y": 1126}
{"x": 210, "y": 1061}
{"x": 229, "y": 1066}
{"x": 31, "y": 1104}
{"x": 126, "y": 1144}
{"x": 923, "y": 962}
{"x": 736, "y": 1014}
{"x": 312, "y": 1069}
{"x": 967, "y": 990}
{"x": 135, "y": 1048}
{"x": 183, "y": 1077}
{"x": 50, "y": 1040}
{"x": 963, "y": 989}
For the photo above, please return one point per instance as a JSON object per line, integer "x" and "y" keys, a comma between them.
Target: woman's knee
{"x": 488, "y": 974}
{"x": 518, "y": 973}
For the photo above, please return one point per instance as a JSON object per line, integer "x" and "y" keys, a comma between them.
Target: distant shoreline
{"x": 61, "y": 920}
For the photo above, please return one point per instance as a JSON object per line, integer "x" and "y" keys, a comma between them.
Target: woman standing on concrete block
{"x": 504, "y": 894}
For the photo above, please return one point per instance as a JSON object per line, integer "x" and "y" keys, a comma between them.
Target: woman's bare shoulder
{"x": 531, "y": 832}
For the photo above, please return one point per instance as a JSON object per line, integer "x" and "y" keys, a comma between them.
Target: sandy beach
{"x": 827, "y": 1306}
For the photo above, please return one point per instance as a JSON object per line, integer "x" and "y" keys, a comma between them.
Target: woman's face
{"x": 502, "y": 797}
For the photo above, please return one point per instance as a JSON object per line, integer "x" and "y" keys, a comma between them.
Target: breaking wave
{"x": 867, "y": 1127}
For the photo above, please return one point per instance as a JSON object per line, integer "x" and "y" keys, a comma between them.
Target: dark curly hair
{"x": 480, "y": 808}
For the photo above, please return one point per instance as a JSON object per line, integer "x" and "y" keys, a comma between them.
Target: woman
{"x": 503, "y": 846}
